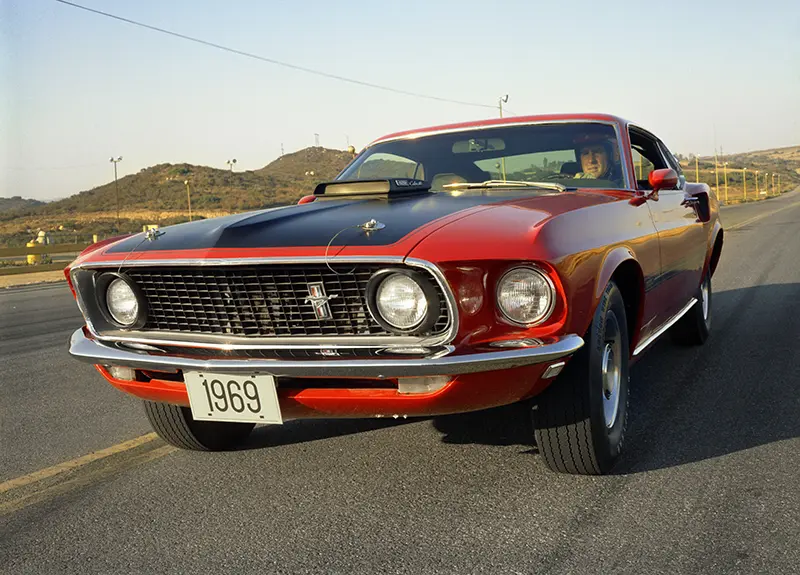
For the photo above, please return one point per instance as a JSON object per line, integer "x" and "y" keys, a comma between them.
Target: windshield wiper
{"x": 506, "y": 184}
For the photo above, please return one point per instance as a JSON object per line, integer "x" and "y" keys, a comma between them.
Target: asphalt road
{"x": 708, "y": 483}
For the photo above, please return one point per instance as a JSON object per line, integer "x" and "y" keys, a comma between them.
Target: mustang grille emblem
{"x": 318, "y": 299}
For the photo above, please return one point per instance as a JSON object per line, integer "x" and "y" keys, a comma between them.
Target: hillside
{"x": 162, "y": 187}
{"x": 17, "y": 203}
{"x": 158, "y": 195}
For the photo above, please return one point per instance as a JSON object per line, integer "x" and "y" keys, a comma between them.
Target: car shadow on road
{"x": 738, "y": 391}
{"x": 302, "y": 431}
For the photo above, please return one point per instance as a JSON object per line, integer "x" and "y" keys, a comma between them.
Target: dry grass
{"x": 31, "y": 278}
{"x": 85, "y": 220}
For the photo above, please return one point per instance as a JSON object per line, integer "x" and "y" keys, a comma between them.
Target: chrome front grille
{"x": 263, "y": 300}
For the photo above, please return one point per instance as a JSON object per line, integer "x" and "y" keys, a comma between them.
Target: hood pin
{"x": 372, "y": 226}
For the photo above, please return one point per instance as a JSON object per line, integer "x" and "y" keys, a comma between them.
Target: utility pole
{"x": 716, "y": 171}
{"x": 231, "y": 163}
{"x": 316, "y": 139}
{"x": 115, "y": 161}
{"x": 744, "y": 181}
{"x": 725, "y": 171}
{"x": 189, "y": 198}
{"x": 696, "y": 169}
{"x": 500, "y": 102}
{"x": 757, "y": 183}
{"x": 281, "y": 149}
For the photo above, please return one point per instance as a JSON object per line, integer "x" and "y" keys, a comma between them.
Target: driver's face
{"x": 594, "y": 160}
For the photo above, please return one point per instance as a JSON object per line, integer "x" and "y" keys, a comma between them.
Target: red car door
{"x": 681, "y": 236}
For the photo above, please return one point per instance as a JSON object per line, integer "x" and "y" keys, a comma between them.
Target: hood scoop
{"x": 393, "y": 187}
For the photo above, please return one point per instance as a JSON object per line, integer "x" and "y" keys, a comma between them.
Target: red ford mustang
{"x": 446, "y": 269}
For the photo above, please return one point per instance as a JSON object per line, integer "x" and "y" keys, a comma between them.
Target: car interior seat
{"x": 570, "y": 168}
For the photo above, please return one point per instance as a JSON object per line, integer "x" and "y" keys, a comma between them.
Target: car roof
{"x": 592, "y": 117}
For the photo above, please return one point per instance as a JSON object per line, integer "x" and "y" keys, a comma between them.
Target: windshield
{"x": 581, "y": 154}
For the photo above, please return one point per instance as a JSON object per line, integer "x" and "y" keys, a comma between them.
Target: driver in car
{"x": 595, "y": 162}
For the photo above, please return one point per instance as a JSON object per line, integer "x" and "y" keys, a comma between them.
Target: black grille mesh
{"x": 262, "y": 301}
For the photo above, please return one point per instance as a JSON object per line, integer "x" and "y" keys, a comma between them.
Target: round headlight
{"x": 401, "y": 302}
{"x": 122, "y": 303}
{"x": 526, "y": 296}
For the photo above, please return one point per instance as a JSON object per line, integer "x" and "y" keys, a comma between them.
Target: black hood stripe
{"x": 315, "y": 224}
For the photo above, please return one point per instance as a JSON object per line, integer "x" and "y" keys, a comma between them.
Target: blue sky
{"x": 77, "y": 88}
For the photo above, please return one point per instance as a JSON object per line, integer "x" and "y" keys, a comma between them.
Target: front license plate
{"x": 242, "y": 398}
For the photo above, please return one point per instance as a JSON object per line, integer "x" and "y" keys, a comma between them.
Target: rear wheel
{"x": 580, "y": 419}
{"x": 175, "y": 425}
{"x": 693, "y": 328}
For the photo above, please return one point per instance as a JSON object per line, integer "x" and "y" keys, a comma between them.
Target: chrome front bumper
{"x": 97, "y": 352}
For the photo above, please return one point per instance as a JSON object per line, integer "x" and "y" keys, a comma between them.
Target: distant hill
{"x": 162, "y": 187}
{"x": 325, "y": 163}
{"x": 775, "y": 160}
{"x": 783, "y": 160}
{"x": 17, "y": 203}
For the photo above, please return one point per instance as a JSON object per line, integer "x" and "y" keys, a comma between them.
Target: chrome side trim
{"x": 95, "y": 352}
{"x": 668, "y": 324}
{"x": 232, "y": 343}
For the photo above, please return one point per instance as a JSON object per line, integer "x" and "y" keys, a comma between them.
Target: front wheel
{"x": 580, "y": 420}
{"x": 175, "y": 425}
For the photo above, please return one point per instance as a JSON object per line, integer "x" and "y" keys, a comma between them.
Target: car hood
{"x": 323, "y": 223}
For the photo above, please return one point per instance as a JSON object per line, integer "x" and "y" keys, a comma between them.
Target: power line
{"x": 276, "y": 62}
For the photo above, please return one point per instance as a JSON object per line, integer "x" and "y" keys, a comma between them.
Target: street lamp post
{"x": 115, "y": 161}
{"x": 189, "y": 198}
{"x": 231, "y": 163}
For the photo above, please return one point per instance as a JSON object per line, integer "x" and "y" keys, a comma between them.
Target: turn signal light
{"x": 427, "y": 384}
{"x": 123, "y": 373}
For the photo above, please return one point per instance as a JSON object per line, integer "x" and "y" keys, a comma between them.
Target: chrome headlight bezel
{"x": 102, "y": 284}
{"x": 429, "y": 291}
{"x": 551, "y": 304}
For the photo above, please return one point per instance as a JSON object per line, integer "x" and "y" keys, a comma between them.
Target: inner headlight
{"x": 121, "y": 302}
{"x": 401, "y": 302}
{"x": 526, "y": 296}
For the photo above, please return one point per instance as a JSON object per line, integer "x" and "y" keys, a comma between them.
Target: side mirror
{"x": 666, "y": 179}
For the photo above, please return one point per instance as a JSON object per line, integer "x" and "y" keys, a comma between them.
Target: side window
{"x": 671, "y": 159}
{"x": 380, "y": 166}
{"x": 646, "y": 156}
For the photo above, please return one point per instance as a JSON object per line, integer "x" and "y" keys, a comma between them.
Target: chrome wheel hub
{"x": 704, "y": 297}
{"x": 611, "y": 384}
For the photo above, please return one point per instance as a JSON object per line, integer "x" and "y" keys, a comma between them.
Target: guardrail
{"x": 43, "y": 249}
{"x": 38, "y": 249}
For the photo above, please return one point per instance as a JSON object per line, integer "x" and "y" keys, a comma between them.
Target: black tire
{"x": 175, "y": 425}
{"x": 693, "y": 328}
{"x": 570, "y": 416}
